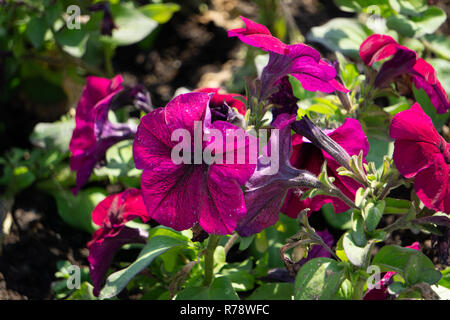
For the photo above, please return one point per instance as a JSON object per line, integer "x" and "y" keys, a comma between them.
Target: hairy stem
{"x": 213, "y": 241}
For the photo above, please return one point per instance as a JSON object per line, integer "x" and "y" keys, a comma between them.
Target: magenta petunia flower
{"x": 308, "y": 156}
{"x": 94, "y": 134}
{"x": 298, "y": 60}
{"x": 382, "y": 292}
{"x": 421, "y": 153}
{"x": 404, "y": 62}
{"x": 178, "y": 195}
{"x": 265, "y": 191}
{"x": 111, "y": 214}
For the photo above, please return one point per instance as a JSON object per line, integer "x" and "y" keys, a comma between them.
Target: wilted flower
{"x": 404, "y": 62}
{"x": 178, "y": 195}
{"x": 298, "y": 60}
{"x": 421, "y": 153}
{"x": 318, "y": 251}
{"x": 313, "y": 148}
{"x": 94, "y": 134}
{"x": 111, "y": 215}
{"x": 264, "y": 193}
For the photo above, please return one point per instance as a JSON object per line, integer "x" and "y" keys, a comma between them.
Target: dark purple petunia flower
{"x": 94, "y": 134}
{"x": 421, "y": 153}
{"x": 298, "y": 60}
{"x": 265, "y": 190}
{"x": 111, "y": 214}
{"x": 180, "y": 194}
{"x": 311, "y": 150}
{"x": 404, "y": 62}
{"x": 284, "y": 98}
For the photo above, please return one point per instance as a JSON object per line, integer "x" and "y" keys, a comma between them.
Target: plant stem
{"x": 230, "y": 243}
{"x": 358, "y": 288}
{"x": 213, "y": 241}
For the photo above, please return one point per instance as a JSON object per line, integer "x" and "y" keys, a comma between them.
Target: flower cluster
{"x": 203, "y": 167}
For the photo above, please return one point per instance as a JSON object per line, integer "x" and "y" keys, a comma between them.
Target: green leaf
{"x": 245, "y": 242}
{"x": 357, "y": 232}
{"x": 439, "y": 44}
{"x": 340, "y": 252}
{"x": 220, "y": 289}
{"x": 132, "y": 25}
{"x": 36, "y": 29}
{"x": 355, "y": 254}
{"x": 409, "y": 7}
{"x": 426, "y": 22}
{"x": 319, "y": 279}
{"x": 445, "y": 280}
{"x": 379, "y": 147}
{"x": 76, "y": 210}
{"x": 22, "y": 178}
{"x": 424, "y": 101}
{"x": 397, "y": 206}
{"x": 85, "y": 292}
{"x": 342, "y": 221}
{"x": 442, "y": 68}
{"x": 160, "y": 12}
{"x": 357, "y": 5}
{"x": 52, "y": 13}
{"x": 340, "y": 34}
{"x": 273, "y": 291}
{"x": 54, "y": 134}
{"x": 73, "y": 41}
{"x": 241, "y": 280}
{"x": 156, "y": 246}
{"x": 120, "y": 165}
{"x": 413, "y": 265}
{"x": 373, "y": 213}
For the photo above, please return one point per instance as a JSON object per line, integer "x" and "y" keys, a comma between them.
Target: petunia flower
{"x": 347, "y": 140}
{"x": 264, "y": 192}
{"x": 381, "y": 291}
{"x": 221, "y": 106}
{"x": 180, "y": 194}
{"x": 404, "y": 62}
{"x": 94, "y": 134}
{"x": 111, "y": 215}
{"x": 421, "y": 153}
{"x": 298, "y": 60}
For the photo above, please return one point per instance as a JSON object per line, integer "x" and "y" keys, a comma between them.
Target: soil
{"x": 191, "y": 50}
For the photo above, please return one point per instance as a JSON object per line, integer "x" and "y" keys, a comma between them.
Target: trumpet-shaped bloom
{"x": 178, "y": 195}
{"x": 94, "y": 134}
{"x": 264, "y": 193}
{"x": 298, "y": 60}
{"x": 404, "y": 61}
{"x": 111, "y": 214}
{"x": 421, "y": 153}
{"x": 308, "y": 156}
